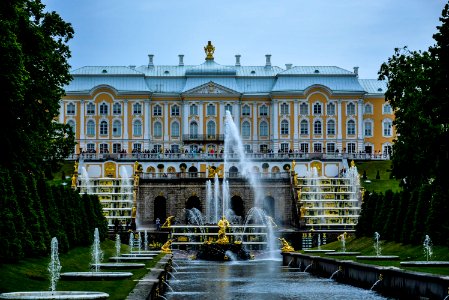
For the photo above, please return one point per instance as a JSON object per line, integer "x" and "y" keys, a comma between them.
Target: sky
{"x": 343, "y": 33}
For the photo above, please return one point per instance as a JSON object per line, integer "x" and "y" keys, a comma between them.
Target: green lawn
{"x": 377, "y": 185}
{"x": 32, "y": 274}
{"x": 365, "y": 246}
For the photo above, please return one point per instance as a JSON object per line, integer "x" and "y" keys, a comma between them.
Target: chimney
{"x": 288, "y": 66}
{"x": 268, "y": 60}
{"x": 181, "y": 59}
{"x": 150, "y": 60}
{"x": 356, "y": 71}
{"x": 237, "y": 60}
{"x": 132, "y": 67}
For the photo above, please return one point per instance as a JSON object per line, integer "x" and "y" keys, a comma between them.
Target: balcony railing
{"x": 221, "y": 156}
{"x": 236, "y": 175}
{"x": 203, "y": 137}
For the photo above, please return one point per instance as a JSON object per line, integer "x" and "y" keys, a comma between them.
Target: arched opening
{"x": 238, "y": 207}
{"x": 160, "y": 209}
{"x": 268, "y": 206}
{"x": 193, "y": 202}
{"x": 193, "y": 171}
{"x": 233, "y": 171}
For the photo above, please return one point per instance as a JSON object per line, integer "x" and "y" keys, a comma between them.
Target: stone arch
{"x": 194, "y": 202}
{"x": 171, "y": 169}
{"x": 233, "y": 171}
{"x": 160, "y": 209}
{"x": 238, "y": 206}
{"x": 268, "y": 206}
{"x": 193, "y": 171}
{"x": 275, "y": 169}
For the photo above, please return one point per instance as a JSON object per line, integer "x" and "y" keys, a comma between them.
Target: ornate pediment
{"x": 211, "y": 88}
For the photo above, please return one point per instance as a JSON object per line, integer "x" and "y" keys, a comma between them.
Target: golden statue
{"x": 211, "y": 171}
{"x": 286, "y": 246}
{"x": 136, "y": 180}
{"x": 74, "y": 181}
{"x": 223, "y": 224}
{"x": 75, "y": 167}
{"x": 293, "y": 165}
{"x": 342, "y": 237}
{"x": 352, "y": 163}
{"x": 303, "y": 212}
{"x": 166, "y": 248}
{"x": 168, "y": 222}
{"x": 133, "y": 212}
{"x": 295, "y": 179}
{"x": 209, "y": 49}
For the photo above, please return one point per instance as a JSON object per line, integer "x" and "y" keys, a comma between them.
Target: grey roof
{"x": 165, "y": 84}
{"x": 256, "y": 85}
{"x": 258, "y": 71}
{"x": 105, "y": 70}
{"x": 120, "y": 83}
{"x": 210, "y": 68}
{"x": 164, "y": 71}
{"x": 228, "y": 82}
{"x": 374, "y": 86}
{"x": 316, "y": 70}
{"x": 334, "y": 83}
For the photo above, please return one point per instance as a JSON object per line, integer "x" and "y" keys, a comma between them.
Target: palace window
{"x": 246, "y": 130}
{"x": 304, "y": 147}
{"x": 103, "y": 109}
{"x": 211, "y": 110}
{"x": 103, "y": 128}
{"x": 304, "y": 127}
{"x": 263, "y": 148}
{"x": 71, "y": 123}
{"x": 157, "y": 110}
{"x": 90, "y": 108}
{"x": 317, "y": 147}
{"x": 330, "y": 109}
{"x": 263, "y": 129}
{"x": 137, "y": 109}
{"x": 175, "y": 129}
{"x": 228, "y": 107}
{"x": 387, "y": 109}
{"x": 350, "y": 147}
{"x": 284, "y": 147}
{"x": 137, "y": 147}
{"x": 90, "y": 128}
{"x": 193, "y": 110}
{"x": 317, "y": 109}
{"x": 175, "y": 110}
{"x": 71, "y": 109}
{"x": 91, "y": 148}
{"x": 350, "y": 109}
{"x": 368, "y": 109}
{"x": 330, "y": 147}
{"x": 210, "y": 129}
{"x": 104, "y": 148}
{"x": 317, "y": 128}
{"x": 117, "y": 109}
{"x": 246, "y": 110}
{"x": 116, "y": 148}
{"x": 368, "y": 128}
{"x": 331, "y": 127}
{"x": 193, "y": 130}
{"x": 350, "y": 127}
{"x": 304, "y": 109}
{"x": 157, "y": 130}
{"x": 117, "y": 128}
{"x": 137, "y": 128}
{"x": 174, "y": 149}
{"x": 284, "y": 127}
{"x": 387, "y": 128}
{"x": 284, "y": 109}
{"x": 263, "y": 110}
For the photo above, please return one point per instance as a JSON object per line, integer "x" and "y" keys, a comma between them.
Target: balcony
{"x": 203, "y": 138}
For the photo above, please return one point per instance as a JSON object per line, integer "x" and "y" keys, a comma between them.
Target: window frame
{"x": 285, "y": 130}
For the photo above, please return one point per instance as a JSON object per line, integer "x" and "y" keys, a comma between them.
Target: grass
{"x": 32, "y": 274}
{"x": 365, "y": 246}
{"x": 377, "y": 185}
{"x": 66, "y": 170}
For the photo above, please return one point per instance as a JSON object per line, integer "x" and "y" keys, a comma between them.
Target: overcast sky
{"x": 344, "y": 33}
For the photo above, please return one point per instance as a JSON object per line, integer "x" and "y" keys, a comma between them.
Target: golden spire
{"x": 209, "y": 49}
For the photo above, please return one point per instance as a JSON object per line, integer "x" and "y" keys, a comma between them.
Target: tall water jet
{"x": 377, "y": 247}
{"x": 118, "y": 245}
{"x": 209, "y": 202}
{"x": 55, "y": 266}
{"x": 86, "y": 182}
{"x": 216, "y": 211}
{"x": 97, "y": 253}
{"x": 428, "y": 248}
{"x": 146, "y": 241}
{"x": 131, "y": 241}
{"x": 139, "y": 241}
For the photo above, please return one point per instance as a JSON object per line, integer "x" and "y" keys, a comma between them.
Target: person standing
{"x": 158, "y": 224}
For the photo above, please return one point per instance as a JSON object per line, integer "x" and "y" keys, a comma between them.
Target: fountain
{"x": 342, "y": 238}
{"x": 340, "y": 269}
{"x": 118, "y": 264}
{"x": 54, "y": 269}
{"x": 381, "y": 277}
{"x": 428, "y": 253}
{"x": 96, "y": 274}
{"x": 319, "y": 250}
{"x": 378, "y": 251}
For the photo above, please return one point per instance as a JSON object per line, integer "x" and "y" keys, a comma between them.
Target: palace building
{"x": 181, "y": 108}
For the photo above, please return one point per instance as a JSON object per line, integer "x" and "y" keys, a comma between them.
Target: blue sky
{"x": 344, "y": 33}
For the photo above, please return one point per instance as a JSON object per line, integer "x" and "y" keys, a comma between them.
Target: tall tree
{"x": 33, "y": 70}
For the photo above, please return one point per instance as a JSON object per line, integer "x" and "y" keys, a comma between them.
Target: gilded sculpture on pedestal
{"x": 223, "y": 224}
{"x": 209, "y": 49}
{"x": 286, "y": 246}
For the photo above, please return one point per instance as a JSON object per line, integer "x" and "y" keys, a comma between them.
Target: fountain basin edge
{"x": 55, "y": 295}
{"x": 95, "y": 275}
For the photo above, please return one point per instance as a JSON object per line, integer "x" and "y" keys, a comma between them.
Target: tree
{"x": 34, "y": 68}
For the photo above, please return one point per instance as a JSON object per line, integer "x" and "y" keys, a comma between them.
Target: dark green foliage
{"x": 377, "y": 175}
{"x": 364, "y": 226}
{"x": 364, "y": 177}
{"x": 421, "y": 213}
{"x": 382, "y": 216}
{"x": 391, "y": 227}
{"x": 438, "y": 221}
{"x": 408, "y": 218}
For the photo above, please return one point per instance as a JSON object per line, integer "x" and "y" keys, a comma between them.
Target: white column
{"x": 339, "y": 125}
{"x": 125, "y": 122}
{"x": 81, "y": 118}
{"x": 61, "y": 111}
{"x": 185, "y": 118}
{"x": 221, "y": 116}
{"x": 145, "y": 124}
{"x": 275, "y": 121}
{"x": 200, "y": 114}
{"x": 295, "y": 124}
{"x": 166, "y": 113}
{"x": 236, "y": 114}
{"x": 254, "y": 115}
{"x": 360, "y": 125}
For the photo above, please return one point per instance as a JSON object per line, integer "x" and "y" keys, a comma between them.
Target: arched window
{"x": 210, "y": 110}
{"x": 117, "y": 109}
{"x": 246, "y": 130}
{"x": 263, "y": 111}
{"x": 304, "y": 127}
{"x": 117, "y": 128}
{"x": 157, "y": 110}
{"x": 228, "y": 107}
{"x": 193, "y": 110}
{"x": 137, "y": 128}
{"x": 317, "y": 108}
{"x": 90, "y": 108}
{"x": 157, "y": 130}
{"x": 103, "y": 109}
{"x": 387, "y": 109}
{"x": 387, "y": 128}
{"x": 368, "y": 109}
{"x": 90, "y": 128}
{"x": 71, "y": 123}
{"x": 351, "y": 127}
{"x": 368, "y": 128}
{"x": 330, "y": 109}
{"x": 246, "y": 110}
{"x": 175, "y": 110}
{"x": 71, "y": 109}
{"x": 263, "y": 128}
{"x": 317, "y": 127}
{"x": 175, "y": 129}
{"x": 211, "y": 129}
{"x": 137, "y": 109}
{"x": 284, "y": 127}
{"x": 304, "y": 109}
{"x": 284, "y": 109}
{"x": 350, "y": 109}
{"x": 331, "y": 127}
{"x": 103, "y": 128}
{"x": 193, "y": 130}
